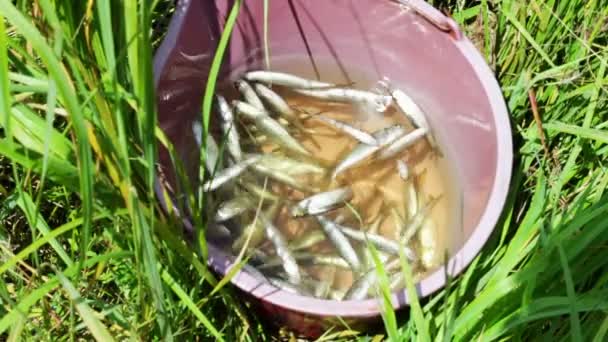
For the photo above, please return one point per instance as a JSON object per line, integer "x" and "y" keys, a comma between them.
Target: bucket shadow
{"x": 323, "y": 36}
{"x": 296, "y": 18}
{"x": 368, "y": 43}
{"x": 253, "y": 41}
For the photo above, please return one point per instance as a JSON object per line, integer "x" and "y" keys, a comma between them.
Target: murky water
{"x": 379, "y": 193}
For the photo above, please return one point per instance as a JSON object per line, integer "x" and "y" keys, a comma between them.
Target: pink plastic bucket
{"x": 420, "y": 49}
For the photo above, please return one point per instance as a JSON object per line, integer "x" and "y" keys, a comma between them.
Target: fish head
{"x": 240, "y": 84}
{"x": 297, "y": 211}
{"x": 381, "y": 103}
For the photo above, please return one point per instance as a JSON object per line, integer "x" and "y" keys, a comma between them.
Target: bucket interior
{"x": 345, "y": 42}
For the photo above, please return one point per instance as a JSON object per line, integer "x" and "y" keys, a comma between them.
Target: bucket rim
{"x": 221, "y": 262}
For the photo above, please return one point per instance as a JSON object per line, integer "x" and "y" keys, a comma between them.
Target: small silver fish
{"x": 249, "y": 94}
{"x": 412, "y": 200}
{"x": 322, "y": 202}
{"x": 383, "y": 136}
{"x": 308, "y": 239}
{"x": 343, "y": 246}
{"x": 289, "y": 165}
{"x": 361, "y": 287}
{"x": 247, "y": 110}
{"x": 197, "y": 131}
{"x": 340, "y": 219}
{"x": 212, "y": 151}
{"x": 284, "y": 79}
{"x": 411, "y": 228}
{"x": 270, "y": 127}
{"x": 276, "y": 102}
{"x": 323, "y": 289}
{"x": 228, "y": 174}
{"x": 258, "y": 191}
{"x": 403, "y": 170}
{"x": 255, "y": 229}
{"x": 379, "y": 241}
{"x": 217, "y": 231}
{"x": 402, "y": 143}
{"x": 328, "y": 260}
{"x": 312, "y": 259}
{"x": 410, "y": 109}
{"x": 336, "y": 294}
{"x": 288, "y": 286}
{"x": 375, "y": 226}
{"x": 354, "y": 132}
{"x": 379, "y": 102}
{"x": 280, "y": 245}
{"x": 257, "y": 256}
{"x": 229, "y": 129}
{"x": 400, "y": 223}
{"x": 233, "y": 207}
{"x": 413, "y": 112}
{"x": 277, "y": 132}
{"x": 260, "y": 139}
{"x": 429, "y": 256}
{"x": 282, "y": 177}
{"x": 368, "y": 259}
{"x": 397, "y": 281}
{"x": 320, "y": 288}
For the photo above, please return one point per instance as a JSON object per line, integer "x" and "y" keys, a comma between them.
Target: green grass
{"x": 86, "y": 251}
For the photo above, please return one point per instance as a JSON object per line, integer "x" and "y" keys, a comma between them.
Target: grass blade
{"x": 49, "y": 237}
{"x": 64, "y": 86}
{"x": 415, "y": 309}
{"x": 575, "y": 323}
{"x": 526, "y": 34}
{"x": 88, "y": 315}
{"x": 35, "y": 295}
{"x": 5, "y": 96}
{"x": 266, "y": 41}
{"x": 35, "y": 219}
{"x": 384, "y": 291}
{"x": 206, "y": 115}
{"x": 581, "y": 132}
{"x": 16, "y": 330}
{"x": 522, "y": 242}
{"x": 187, "y": 301}
{"x": 138, "y": 24}
{"x": 602, "y": 331}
